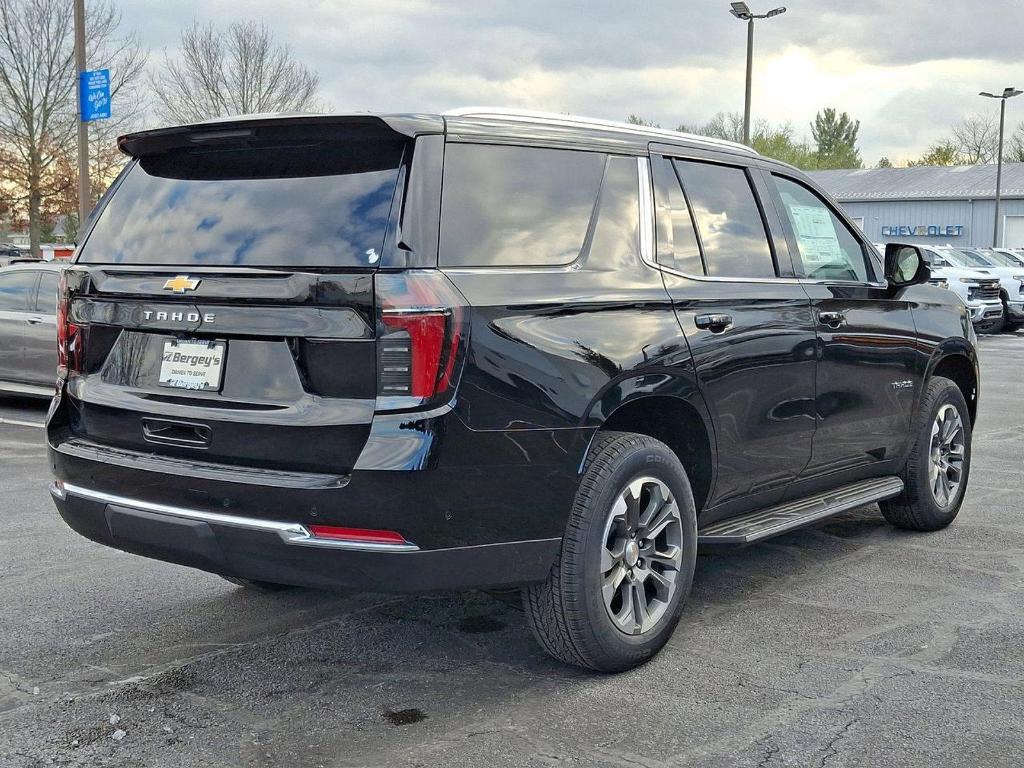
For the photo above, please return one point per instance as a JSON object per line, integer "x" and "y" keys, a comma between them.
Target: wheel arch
{"x": 957, "y": 360}
{"x": 677, "y": 416}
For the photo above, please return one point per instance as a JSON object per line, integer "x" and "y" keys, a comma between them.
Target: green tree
{"x": 835, "y": 135}
{"x": 778, "y": 142}
{"x": 944, "y": 152}
{"x": 884, "y": 162}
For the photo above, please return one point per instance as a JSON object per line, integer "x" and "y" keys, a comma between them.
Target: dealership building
{"x": 937, "y": 205}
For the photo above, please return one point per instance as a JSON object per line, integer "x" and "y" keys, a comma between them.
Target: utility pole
{"x": 1008, "y": 93}
{"x": 750, "y": 81}
{"x": 84, "y": 194}
{"x": 742, "y": 12}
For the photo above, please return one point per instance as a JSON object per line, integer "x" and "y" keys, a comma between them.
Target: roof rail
{"x": 554, "y": 118}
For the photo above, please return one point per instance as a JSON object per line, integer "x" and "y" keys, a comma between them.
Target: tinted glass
{"x": 616, "y": 238}
{"x": 731, "y": 228}
{"x": 677, "y": 237}
{"x": 316, "y": 205}
{"x": 516, "y": 206}
{"x": 46, "y": 300}
{"x": 828, "y": 249}
{"x": 16, "y": 290}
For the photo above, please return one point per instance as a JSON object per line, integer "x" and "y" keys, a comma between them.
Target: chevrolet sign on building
{"x": 936, "y": 205}
{"x": 922, "y": 230}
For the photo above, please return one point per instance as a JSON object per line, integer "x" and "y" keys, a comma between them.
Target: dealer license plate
{"x": 192, "y": 364}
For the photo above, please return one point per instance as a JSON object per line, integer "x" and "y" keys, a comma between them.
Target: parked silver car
{"x": 28, "y": 328}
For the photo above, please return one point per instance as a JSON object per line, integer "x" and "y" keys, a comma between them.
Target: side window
{"x": 828, "y": 249}
{"x": 46, "y": 299}
{"x": 16, "y": 290}
{"x": 731, "y": 228}
{"x": 516, "y": 206}
{"x": 616, "y": 227}
{"x": 677, "y": 238}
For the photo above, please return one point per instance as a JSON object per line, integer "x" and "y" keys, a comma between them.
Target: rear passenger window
{"x": 828, "y": 250}
{"x": 46, "y": 300}
{"x": 731, "y": 229}
{"x": 677, "y": 239}
{"x": 516, "y": 206}
{"x": 16, "y": 290}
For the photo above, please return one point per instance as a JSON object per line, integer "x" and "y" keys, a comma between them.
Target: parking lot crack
{"x": 830, "y": 749}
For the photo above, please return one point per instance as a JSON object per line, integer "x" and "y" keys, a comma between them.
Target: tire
{"x": 921, "y": 507}
{"x": 996, "y": 326}
{"x": 568, "y": 612}
{"x": 258, "y": 586}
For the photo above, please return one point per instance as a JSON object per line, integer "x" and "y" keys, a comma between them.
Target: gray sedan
{"x": 28, "y": 328}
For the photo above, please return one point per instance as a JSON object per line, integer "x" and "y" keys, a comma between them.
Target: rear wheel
{"x": 618, "y": 587}
{"x": 935, "y": 477}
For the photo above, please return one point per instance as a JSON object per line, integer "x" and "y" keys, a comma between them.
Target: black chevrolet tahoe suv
{"x": 495, "y": 350}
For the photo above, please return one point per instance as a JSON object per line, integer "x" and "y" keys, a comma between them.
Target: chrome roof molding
{"x": 554, "y": 118}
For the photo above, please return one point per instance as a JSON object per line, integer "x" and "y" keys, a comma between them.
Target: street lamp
{"x": 1008, "y": 93}
{"x": 742, "y": 12}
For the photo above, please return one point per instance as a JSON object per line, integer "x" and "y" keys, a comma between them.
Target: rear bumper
{"x": 285, "y": 552}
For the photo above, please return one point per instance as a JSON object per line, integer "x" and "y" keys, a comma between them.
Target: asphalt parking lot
{"x": 848, "y": 644}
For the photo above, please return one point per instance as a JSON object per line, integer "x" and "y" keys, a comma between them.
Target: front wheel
{"x": 935, "y": 477}
{"x": 618, "y": 587}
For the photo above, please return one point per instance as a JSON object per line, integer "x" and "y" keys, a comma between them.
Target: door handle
{"x": 714, "y": 323}
{"x": 33, "y": 320}
{"x": 832, "y": 319}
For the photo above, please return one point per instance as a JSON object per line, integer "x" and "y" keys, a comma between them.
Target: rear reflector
{"x": 363, "y": 535}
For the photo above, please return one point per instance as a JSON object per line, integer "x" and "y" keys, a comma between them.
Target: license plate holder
{"x": 194, "y": 364}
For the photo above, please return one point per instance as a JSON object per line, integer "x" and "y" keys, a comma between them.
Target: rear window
{"x": 516, "y": 206}
{"x": 321, "y": 204}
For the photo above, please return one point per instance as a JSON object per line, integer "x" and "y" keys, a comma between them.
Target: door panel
{"x": 757, "y": 376}
{"x": 40, "y": 334}
{"x": 17, "y": 291}
{"x": 868, "y": 373}
{"x": 751, "y": 333}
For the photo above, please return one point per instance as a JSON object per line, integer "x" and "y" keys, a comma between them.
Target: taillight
{"x": 69, "y": 335}
{"x": 421, "y": 337}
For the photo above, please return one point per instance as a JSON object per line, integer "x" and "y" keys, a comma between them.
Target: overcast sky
{"x": 906, "y": 69}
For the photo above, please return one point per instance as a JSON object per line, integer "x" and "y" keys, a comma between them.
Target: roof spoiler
{"x": 241, "y": 129}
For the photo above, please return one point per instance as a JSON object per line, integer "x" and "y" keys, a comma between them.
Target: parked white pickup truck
{"x": 1007, "y": 269}
{"x": 979, "y": 291}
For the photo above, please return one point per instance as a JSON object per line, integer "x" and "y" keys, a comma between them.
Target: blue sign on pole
{"x": 94, "y": 94}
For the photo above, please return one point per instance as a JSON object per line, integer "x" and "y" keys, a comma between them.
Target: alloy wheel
{"x": 642, "y": 555}
{"x": 946, "y": 465}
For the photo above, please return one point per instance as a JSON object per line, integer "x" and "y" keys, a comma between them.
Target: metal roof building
{"x": 954, "y": 204}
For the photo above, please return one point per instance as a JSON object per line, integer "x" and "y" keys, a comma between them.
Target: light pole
{"x": 742, "y": 12}
{"x": 1008, "y": 93}
{"x": 83, "y": 127}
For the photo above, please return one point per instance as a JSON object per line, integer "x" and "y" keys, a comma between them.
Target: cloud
{"x": 906, "y": 70}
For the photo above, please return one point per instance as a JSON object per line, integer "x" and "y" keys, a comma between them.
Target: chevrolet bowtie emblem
{"x": 181, "y": 283}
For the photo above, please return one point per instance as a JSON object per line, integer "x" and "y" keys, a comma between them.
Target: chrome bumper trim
{"x": 290, "y": 533}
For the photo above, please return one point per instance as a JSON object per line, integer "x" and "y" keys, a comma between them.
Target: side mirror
{"x": 905, "y": 265}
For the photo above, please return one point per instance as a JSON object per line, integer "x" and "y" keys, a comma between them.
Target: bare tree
{"x": 975, "y": 138}
{"x": 37, "y": 91}
{"x": 1014, "y": 150}
{"x": 239, "y": 70}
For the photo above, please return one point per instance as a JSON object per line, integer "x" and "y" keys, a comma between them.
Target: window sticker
{"x": 816, "y": 235}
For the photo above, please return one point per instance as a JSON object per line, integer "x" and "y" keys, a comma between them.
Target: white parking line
{"x": 21, "y": 423}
